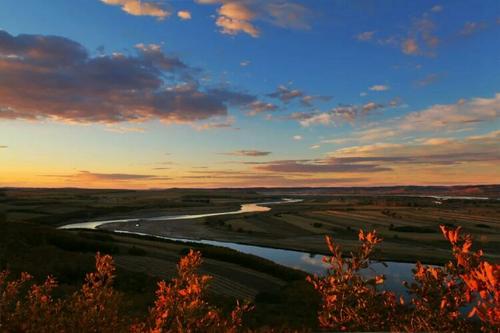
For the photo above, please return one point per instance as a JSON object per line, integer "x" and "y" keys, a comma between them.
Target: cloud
{"x": 251, "y": 153}
{"x": 379, "y": 87}
{"x": 285, "y": 94}
{"x": 365, "y": 36}
{"x": 437, "y": 117}
{"x": 297, "y": 137}
{"x": 419, "y": 36}
{"x": 309, "y": 100}
{"x": 315, "y": 146}
{"x": 349, "y": 113}
{"x": 307, "y": 119}
{"x": 471, "y": 28}
{"x": 124, "y": 129}
{"x": 395, "y": 102}
{"x": 3, "y": 147}
{"x": 50, "y": 77}
{"x": 423, "y": 29}
{"x": 490, "y": 135}
{"x": 426, "y": 160}
{"x": 231, "y": 25}
{"x": 140, "y": 8}
{"x": 83, "y": 176}
{"x": 446, "y": 116}
{"x": 410, "y": 46}
{"x": 228, "y": 178}
{"x": 257, "y": 107}
{"x": 437, "y": 8}
{"x": 239, "y": 16}
{"x": 428, "y": 150}
{"x": 319, "y": 166}
{"x": 370, "y": 106}
{"x": 429, "y": 79}
{"x": 228, "y": 122}
{"x": 184, "y": 15}
{"x": 245, "y": 63}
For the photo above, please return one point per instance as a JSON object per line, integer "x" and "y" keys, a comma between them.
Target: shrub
{"x": 94, "y": 308}
{"x": 179, "y": 306}
{"x": 439, "y": 296}
{"x": 349, "y": 301}
{"x": 461, "y": 296}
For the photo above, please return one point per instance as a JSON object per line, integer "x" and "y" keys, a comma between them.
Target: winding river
{"x": 395, "y": 272}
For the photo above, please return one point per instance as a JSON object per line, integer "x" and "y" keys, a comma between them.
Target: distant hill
{"x": 479, "y": 191}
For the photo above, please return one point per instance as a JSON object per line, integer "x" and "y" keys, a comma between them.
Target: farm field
{"x": 409, "y": 225}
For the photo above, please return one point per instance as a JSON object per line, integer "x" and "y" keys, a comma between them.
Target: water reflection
{"x": 395, "y": 272}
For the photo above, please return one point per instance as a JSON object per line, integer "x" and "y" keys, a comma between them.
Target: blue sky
{"x": 354, "y": 83}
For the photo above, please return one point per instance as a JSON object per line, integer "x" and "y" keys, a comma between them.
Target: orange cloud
{"x": 410, "y": 46}
{"x": 140, "y": 8}
{"x": 238, "y": 16}
{"x": 184, "y": 15}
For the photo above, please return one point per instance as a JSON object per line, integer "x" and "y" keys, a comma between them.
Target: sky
{"x": 249, "y": 93}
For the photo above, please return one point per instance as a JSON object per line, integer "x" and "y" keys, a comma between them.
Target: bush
{"x": 461, "y": 296}
{"x": 179, "y": 306}
{"x": 439, "y": 295}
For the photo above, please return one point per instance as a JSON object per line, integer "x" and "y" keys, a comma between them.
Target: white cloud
{"x": 379, "y": 87}
{"x": 437, "y": 8}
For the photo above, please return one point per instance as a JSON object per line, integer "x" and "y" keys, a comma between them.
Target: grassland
{"x": 30, "y": 242}
{"x": 409, "y": 225}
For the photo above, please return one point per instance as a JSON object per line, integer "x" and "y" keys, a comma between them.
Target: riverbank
{"x": 409, "y": 226}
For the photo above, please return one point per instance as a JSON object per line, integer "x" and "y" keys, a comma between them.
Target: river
{"x": 395, "y": 272}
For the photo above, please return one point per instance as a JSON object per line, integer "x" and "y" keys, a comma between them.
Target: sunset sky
{"x": 223, "y": 93}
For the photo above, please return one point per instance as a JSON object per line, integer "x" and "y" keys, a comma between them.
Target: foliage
{"x": 442, "y": 299}
{"x": 461, "y": 296}
{"x": 94, "y": 308}
{"x": 349, "y": 301}
{"x": 179, "y": 307}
